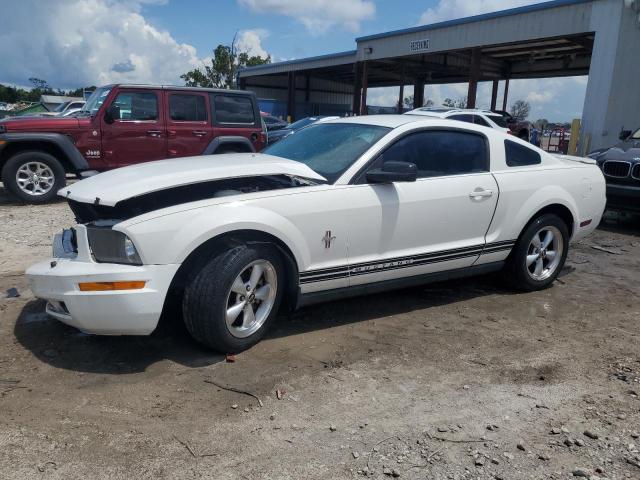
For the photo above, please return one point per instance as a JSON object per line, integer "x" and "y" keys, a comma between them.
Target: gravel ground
{"x": 463, "y": 380}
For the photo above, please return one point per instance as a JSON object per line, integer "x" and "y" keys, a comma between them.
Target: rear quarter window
{"x": 519, "y": 155}
{"x": 233, "y": 110}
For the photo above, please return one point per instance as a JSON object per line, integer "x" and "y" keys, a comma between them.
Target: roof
{"x": 475, "y": 18}
{"x": 390, "y": 121}
{"x": 331, "y": 58}
{"x": 175, "y": 87}
{"x": 59, "y": 99}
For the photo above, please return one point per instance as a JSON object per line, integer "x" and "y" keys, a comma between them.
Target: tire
{"x": 213, "y": 292}
{"x": 49, "y": 177}
{"x": 527, "y": 277}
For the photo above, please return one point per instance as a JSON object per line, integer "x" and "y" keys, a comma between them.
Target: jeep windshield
{"x": 328, "y": 148}
{"x": 95, "y": 101}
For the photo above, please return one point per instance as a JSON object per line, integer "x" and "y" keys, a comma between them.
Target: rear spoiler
{"x": 573, "y": 158}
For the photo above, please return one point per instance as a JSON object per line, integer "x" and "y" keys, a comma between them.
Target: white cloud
{"x": 250, "y": 41}
{"x": 450, "y": 9}
{"x": 72, "y": 43}
{"x": 318, "y": 16}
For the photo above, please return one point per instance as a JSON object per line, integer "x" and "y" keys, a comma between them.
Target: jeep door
{"x": 189, "y": 129}
{"x": 135, "y": 130}
{"x": 434, "y": 224}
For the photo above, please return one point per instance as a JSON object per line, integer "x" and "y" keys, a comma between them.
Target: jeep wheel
{"x": 33, "y": 177}
{"x": 230, "y": 303}
{"x": 539, "y": 254}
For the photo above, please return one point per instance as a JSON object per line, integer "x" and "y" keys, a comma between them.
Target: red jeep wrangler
{"x": 122, "y": 125}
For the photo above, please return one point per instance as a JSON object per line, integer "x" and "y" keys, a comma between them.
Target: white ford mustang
{"x": 345, "y": 207}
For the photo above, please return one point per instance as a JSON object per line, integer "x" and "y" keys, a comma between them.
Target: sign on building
{"x": 419, "y": 45}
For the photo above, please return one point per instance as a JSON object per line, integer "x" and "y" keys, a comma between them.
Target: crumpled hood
{"x": 628, "y": 150}
{"x": 114, "y": 186}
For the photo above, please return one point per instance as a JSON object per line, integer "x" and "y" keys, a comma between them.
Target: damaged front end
{"x": 86, "y": 213}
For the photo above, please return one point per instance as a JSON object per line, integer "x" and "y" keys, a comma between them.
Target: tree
{"x": 408, "y": 102}
{"x": 459, "y": 103}
{"x": 520, "y": 110}
{"x": 222, "y": 71}
{"x": 541, "y": 123}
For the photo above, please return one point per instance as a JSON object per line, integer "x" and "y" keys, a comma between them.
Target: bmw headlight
{"x": 111, "y": 246}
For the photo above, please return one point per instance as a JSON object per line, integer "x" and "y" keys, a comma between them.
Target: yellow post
{"x": 573, "y": 141}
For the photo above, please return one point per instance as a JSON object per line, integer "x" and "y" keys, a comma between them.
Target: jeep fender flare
{"x": 63, "y": 142}
{"x": 217, "y": 142}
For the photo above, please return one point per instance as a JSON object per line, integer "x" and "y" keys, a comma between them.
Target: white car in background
{"x": 485, "y": 118}
{"x": 344, "y": 207}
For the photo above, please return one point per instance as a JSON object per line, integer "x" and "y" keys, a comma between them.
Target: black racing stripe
{"x": 320, "y": 271}
{"x": 418, "y": 263}
{"x": 396, "y": 263}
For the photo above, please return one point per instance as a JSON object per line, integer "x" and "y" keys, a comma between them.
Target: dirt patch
{"x": 453, "y": 381}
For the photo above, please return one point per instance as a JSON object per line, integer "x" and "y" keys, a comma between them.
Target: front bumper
{"x": 623, "y": 197}
{"x": 118, "y": 312}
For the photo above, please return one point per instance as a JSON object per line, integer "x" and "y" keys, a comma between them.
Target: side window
{"x": 462, "y": 118}
{"x": 519, "y": 156}
{"x": 137, "y": 106}
{"x": 478, "y": 120}
{"x": 233, "y": 110}
{"x": 187, "y": 108}
{"x": 439, "y": 153}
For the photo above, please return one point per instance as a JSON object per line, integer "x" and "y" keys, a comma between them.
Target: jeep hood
{"x": 112, "y": 187}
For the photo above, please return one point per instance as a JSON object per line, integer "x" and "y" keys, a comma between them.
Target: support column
{"x": 474, "y": 75}
{"x": 401, "y": 93}
{"x": 505, "y": 96}
{"x": 494, "y": 94}
{"x": 365, "y": 84}
{"x": 356, "y": 89}
{"x": 306, "y": 88}
{"x": 418, "y": 93}
{"x": 401, "y": 98}
{"x": 242, "y": 83}
{"x": 291, "y": 96}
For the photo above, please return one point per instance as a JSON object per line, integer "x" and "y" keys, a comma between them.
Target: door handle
{"x": 481, "y": 193}
{"x": 199, "y": 133}
{"x": 154, "y": 133}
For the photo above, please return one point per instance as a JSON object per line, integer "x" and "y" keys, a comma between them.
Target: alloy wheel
{"x": 251, "y": 298}
{"x": 544, "y": 253}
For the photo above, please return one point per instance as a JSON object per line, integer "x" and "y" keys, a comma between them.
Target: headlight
{"x": 111, "y": 246}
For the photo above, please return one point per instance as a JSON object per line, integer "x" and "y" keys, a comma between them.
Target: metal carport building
{"x": 558, "y": 38}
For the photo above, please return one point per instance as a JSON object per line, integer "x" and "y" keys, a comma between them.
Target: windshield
{"x": 302, "y": 123}
{"x": 96, "y": 100}
{"x": 61, "y": 107}
{"x": 636, "y": 135}
{"x": 328, "y": 148}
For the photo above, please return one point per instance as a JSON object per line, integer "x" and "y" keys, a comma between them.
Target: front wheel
{"x": 539, "y": 254}
{"x": 33, "y": 177}
{"x": 230, "y": 303}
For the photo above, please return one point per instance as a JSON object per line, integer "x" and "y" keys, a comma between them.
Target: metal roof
{"x": 338, "y": 58}
{"x": 475, "y": 18}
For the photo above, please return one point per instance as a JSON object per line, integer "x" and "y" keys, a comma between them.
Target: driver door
{"x": 436, "y": 223}
{"x": 137, "y": 132}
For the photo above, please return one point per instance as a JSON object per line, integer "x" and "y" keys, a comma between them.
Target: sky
{"x": 74, "y": 43}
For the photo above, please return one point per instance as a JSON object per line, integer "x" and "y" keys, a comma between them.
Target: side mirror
{"x": 393, "y": 172}
{"x": 112, "y": 114}
{"x": 624, "y": 134}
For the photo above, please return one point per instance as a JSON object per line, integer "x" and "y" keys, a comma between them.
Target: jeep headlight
{"x": 111, "y": 246}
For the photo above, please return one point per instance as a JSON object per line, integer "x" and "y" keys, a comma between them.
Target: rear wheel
{"x": 33, "y": 177}
{"x": 539, "y": 254}
{"x": 231, "y": 302}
